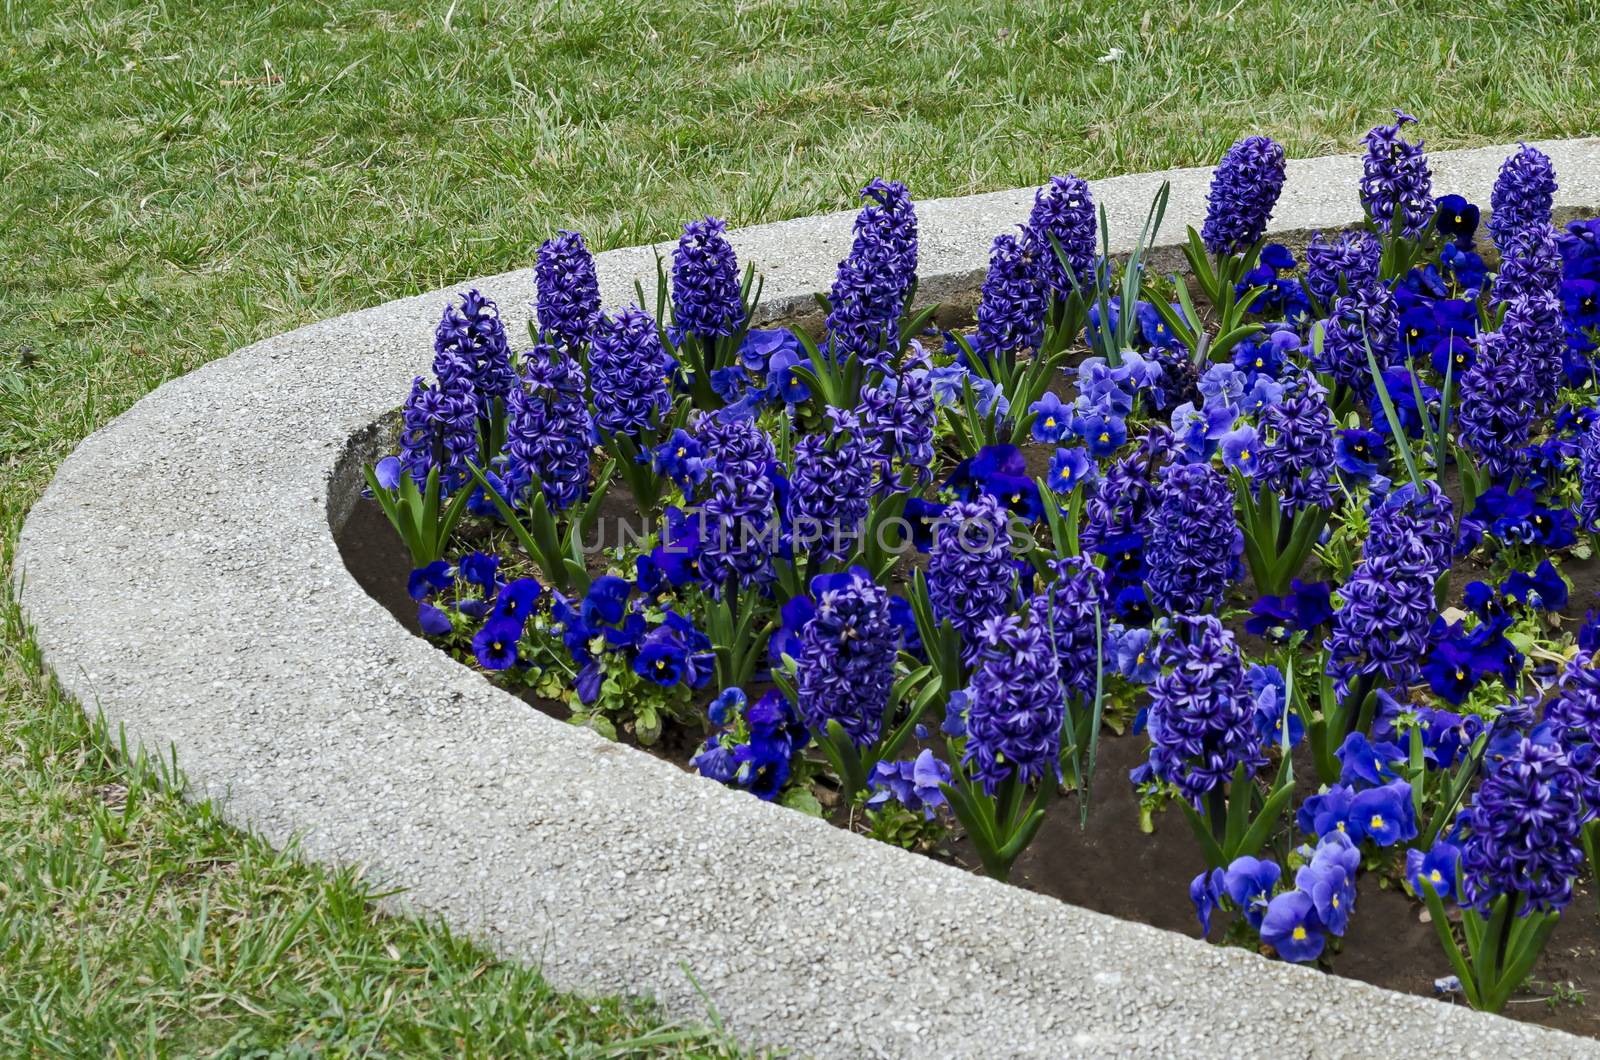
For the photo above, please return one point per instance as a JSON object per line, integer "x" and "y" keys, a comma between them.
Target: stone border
{"x": 181, "y": 576}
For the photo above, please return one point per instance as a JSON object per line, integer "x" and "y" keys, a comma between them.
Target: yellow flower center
{"x": 1105, "y": 436}
{"x": 1298, "y": 934}
{"x": 1376, "y": 822}
{"x": 1458, "y": 219}
{"x": 1436, "y": 876}
{"x": 1049, "y": 421}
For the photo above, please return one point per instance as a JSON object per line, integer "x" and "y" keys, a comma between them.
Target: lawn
{"x": 178, "y": 179}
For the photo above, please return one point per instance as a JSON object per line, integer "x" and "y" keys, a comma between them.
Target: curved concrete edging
{"x": 181, "y": 576}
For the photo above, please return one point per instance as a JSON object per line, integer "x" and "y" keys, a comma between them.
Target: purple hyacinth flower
{"x": 1244, "y": 189}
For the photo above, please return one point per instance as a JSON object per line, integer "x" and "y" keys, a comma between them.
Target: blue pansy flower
{"x": 516, "y": 600}
{"x": 729, "y": 702}
{"x": 1052, "y": 418}
{"x": 606, "y": 599}
{"x": 761, "y": 345}
{"x": 1436, "y": 869}
{"x": 1135, "y": 655}
{"x": 1384, "y": 815}
{"x": 1364, "y": 763}
{"x": 1457, "y": 218}
{"x": 915, "y": 784}
{"x": 680, "y": 458}
{"x": 1205, "y": 891}
{"x": 1544, "y": 589}
{"x": 479, "y": 568}
{"x": 1271, "y": 696}
{"x": 1241, "y": 450}
{"x": 495, "y": 645}
{"x": 1071, "y": 468}
{"x": 425, "y": 581}
{"x": 1248, "y": 883}
{"x": 432, "y": 621}
{"x": 1328, "y": 812}
{"x": 1103, "y": 433}
{"x": 1358, "y": 452}
{"x": 1291, "y": 927}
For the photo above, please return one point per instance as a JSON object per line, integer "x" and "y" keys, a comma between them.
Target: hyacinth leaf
{"x": 844, "y": 758}
{"x": 397, "y": 511}
{"x": 1241, "y": 793}
{"x": 1486, "y": 954}
{"x": 830, "y": 379}
{"x": 416, "y": 516}
{"x": 1266, "y": 821}
{"x": 940, "y": 641}
{"x": 1061, "y": 522}
{"x": 872, "y": 552}
{"x": 1201, "y": 267}
{"x": 925, "y": 693}
{"x": 1465, "y": 771}
{"x": 914, "y": 325}
{"x": 643, "y": 482}
{"x": 975, "y": 813}
{"x": 729, "y": 623}
{"x": 1396, "y": 428}
{"x": 538, "y": 535}
{"x": 1066, "y": 317}
{"x": 1416, "y": 770}
{"x": 1096, "y": 717}
{"x": 1441, "y": 926}
{"x": 1175, "y": 321}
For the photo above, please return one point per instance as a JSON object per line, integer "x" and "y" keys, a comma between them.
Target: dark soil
{"x": 1111, "y": 867}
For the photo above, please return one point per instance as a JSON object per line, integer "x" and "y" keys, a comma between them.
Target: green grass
{"x": 178, "y": 179}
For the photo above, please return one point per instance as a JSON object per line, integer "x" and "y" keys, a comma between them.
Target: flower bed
{"x": 1301, "y": 542}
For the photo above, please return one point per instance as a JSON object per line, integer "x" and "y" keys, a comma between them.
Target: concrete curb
{"x": 181, "y": 576}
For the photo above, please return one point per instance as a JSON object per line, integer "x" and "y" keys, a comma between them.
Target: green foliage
{"x": 898, "y": 826}
{"x": 633, "y": 704}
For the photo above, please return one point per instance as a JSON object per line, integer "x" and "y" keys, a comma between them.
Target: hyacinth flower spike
{"x": 630, "y": 379}
{"x": 1204, "y": 740}
{"x": 847, "y": 683}
{"x": 1397, "y": 194}
{"x": 711, "y": 306}
{"x": 1516, "y": 870}
{"x": 1284, "y": 502}
{"x": 1062, "y": 234}
{"x": 1244, "y": 190}
{"x": 1008, "y": 348}
{"x": 1010, "y": 748}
